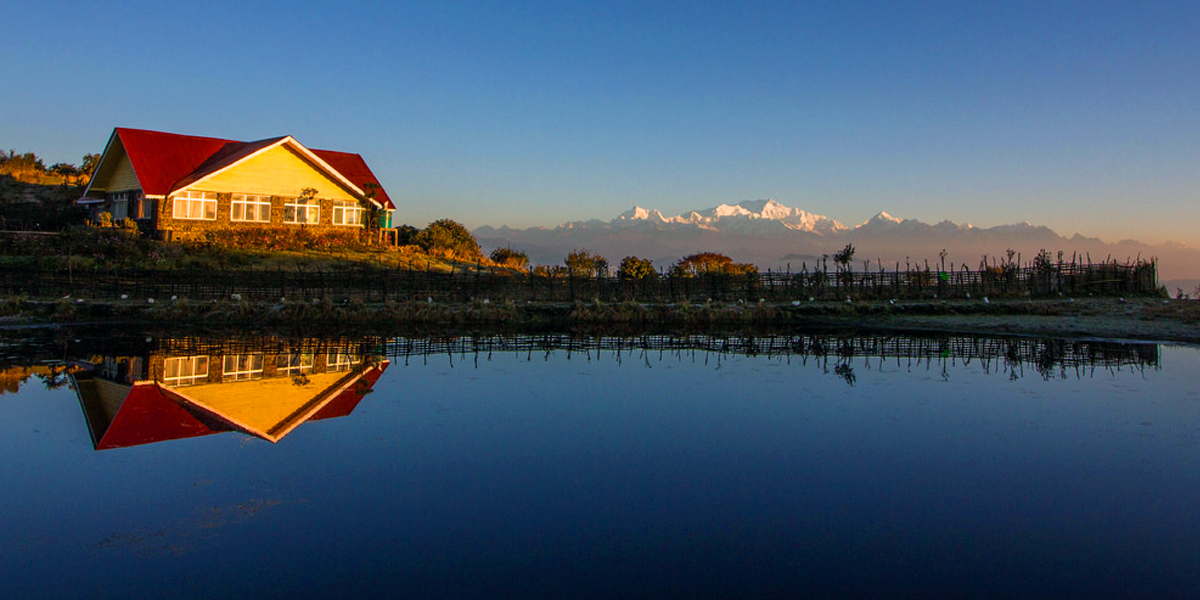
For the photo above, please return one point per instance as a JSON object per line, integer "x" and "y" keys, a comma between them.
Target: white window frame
{"x": 347, "y": 212}
{"x": 249, "y": 208}
{"x": 198, "y": 206}
{"x": 242, "y": 367}
{"x": 118, "y": 206}
{"x": 292, "y": 207}
{"x": 339, "y": 361}
{"x": 185, "y": 370}
{"x": 294, "y": 364}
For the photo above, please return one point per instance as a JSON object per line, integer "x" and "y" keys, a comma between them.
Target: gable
{"x": 161, "y": 159}
{"x": 159, "y": 163}
{"x": 123, "y": 176}
{"x": 279, "y": 171}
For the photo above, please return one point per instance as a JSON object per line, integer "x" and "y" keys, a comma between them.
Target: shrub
{"x": 632, "y": 267}
{"x": 449, "y": 239}
{"x": 710, "y": 263}
{"x": 507, "y": 257}
{"x": 583, "y": 263}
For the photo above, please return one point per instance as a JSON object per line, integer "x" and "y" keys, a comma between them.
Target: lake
{"x": 819, "y": 464}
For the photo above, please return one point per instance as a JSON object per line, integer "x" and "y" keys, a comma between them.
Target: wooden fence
{"x": 378, "y": 285}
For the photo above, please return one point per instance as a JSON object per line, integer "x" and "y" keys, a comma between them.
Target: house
{"x": 177, "y": 389}
{"x": 180, "y": 187}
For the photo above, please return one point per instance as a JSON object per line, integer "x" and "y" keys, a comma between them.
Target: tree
{"x": 70, "y": 174}
{"x": 843, "y": 257}
{"x": 375, "y": 213}
{"x": 449, "y": 239}
{"x": 89, "y": 164}
{"x": 583, "y": 263}
{"x": 22, "y": 164}
{"x": 508, "y": 257}
{"x": 635, "y": 268}
{"x": 703, "y": 263}
{"x": 405, "y": 234}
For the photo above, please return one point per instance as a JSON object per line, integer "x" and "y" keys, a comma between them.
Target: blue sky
{"x": 1082, "y": 116}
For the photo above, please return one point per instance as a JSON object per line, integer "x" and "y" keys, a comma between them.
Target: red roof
{"x": 149, "y": 414}
{"x": 153, "y": 413}
{"x": 165, "y": 161}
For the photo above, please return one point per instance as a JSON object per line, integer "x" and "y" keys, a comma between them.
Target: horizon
{"x": 848, "y": 226}
{"x": 1072, "y": 116}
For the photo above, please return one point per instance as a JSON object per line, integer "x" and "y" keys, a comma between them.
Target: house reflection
{"x": 188, "y": 388}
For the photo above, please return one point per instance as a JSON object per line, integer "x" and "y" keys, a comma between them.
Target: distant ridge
{"x": 775, "y": 236}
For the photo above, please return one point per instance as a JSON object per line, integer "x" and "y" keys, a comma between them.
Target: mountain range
{"x": 774, "y": 236}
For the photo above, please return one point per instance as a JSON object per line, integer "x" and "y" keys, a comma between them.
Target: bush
{"x": 583, "y": 263}
{"x": 507, "y": 257}
{"x": 714, "y": 263}
{"x": 449, "y": 239}
{"x": 635, "y": 268}
{"x": 285, "y": 239}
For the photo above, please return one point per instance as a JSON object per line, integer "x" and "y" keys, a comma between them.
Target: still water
{"x": 815, "y": 465}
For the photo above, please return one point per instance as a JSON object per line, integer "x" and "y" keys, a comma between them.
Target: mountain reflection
{"x": 177, "y": 388}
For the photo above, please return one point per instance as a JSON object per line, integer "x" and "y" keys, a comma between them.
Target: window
{"x": 195, "y": 205}
{"x": 241, "y": 367}
{"x": 145, "y": 208}
{"x": 339, "y": 361}
{"x": 118, "y": 206}
{"x": 293, "y": 364}
{"x": 250, "y": 208}
{"x": 185, "y": 370}
{"x": 297, "y": 210}
{"x": 347, "y": 213}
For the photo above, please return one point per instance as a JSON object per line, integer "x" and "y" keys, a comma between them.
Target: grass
{"x": 84, "y": 248}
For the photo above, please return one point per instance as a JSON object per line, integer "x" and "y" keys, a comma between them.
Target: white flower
{"x": 150, "y": 300}
{"x": 124, "y": 296}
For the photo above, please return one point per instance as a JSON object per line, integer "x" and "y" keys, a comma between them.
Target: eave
{"x": 254, "y": 149}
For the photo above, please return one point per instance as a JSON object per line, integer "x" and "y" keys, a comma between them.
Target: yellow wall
{"x": 123, "y": 177}
{"x": 276, "y": 172}
{"x": 117, "y": 174}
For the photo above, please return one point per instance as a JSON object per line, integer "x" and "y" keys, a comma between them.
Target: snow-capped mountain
{"x": 745, "y": 216}
{"x": 774, "y": 236}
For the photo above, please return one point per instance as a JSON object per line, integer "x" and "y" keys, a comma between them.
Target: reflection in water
{"x": 539, "y": 465}
{"x": 1049, "y": 358}
{"x": 180, "y": 388}
{"x": 148, "y": 389}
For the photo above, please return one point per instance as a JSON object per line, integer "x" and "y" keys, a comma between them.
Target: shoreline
{"x": 1140, "y": 319}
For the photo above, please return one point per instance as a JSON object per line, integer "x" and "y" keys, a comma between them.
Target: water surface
{"x": 606, "y": 467}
